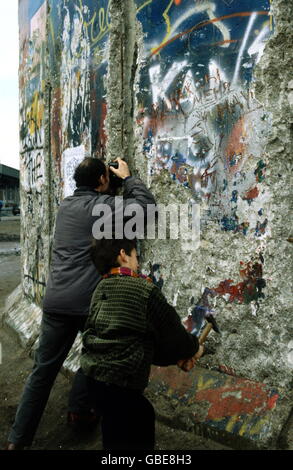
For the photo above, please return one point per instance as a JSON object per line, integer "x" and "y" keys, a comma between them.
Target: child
{"x": 130, "y": 327}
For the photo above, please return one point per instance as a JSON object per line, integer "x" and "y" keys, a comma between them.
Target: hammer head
{"x": 211, "y": 319}
{"x": 202, "y": 313}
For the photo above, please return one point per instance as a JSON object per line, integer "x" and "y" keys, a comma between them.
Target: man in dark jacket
{"x": 72, "y": 280}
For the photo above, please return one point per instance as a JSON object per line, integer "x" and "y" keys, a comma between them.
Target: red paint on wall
{"x": 236, "y": 147}
{"x": 272, "y": 401}
{"x": 225, "y": 395}
{"x": 205, "y": 23}
{"x": 251, "y": 194}
{"x": 240, "y": 399}
{"x": 104, "y": 115}
{"x": 235, "y": 292}
{"x": 56, "y": 135}
{"x": 247, "y": 290}
{"x": 101, "y": 144}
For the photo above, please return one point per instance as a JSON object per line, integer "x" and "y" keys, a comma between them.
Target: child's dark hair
{"x": 89, "y": 172}
{"x": 104, "y": 252}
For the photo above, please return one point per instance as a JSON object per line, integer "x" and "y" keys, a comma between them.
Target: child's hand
{"x": 188, "y": 364}
{"x": 199, "y": 353}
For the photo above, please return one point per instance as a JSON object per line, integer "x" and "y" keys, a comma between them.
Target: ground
{"x": 53, "y": 432}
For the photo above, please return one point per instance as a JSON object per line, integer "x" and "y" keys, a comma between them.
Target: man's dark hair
{"x": 89, "y": 172}
{"x": 105, "y": 252}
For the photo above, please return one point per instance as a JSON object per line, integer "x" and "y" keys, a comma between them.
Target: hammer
{"x": 197, "y": 318}
{"x": 212, "y": 324}
{"x": 201, "y": 312}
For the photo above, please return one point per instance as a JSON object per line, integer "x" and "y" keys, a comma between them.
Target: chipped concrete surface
{"x": 203, "y": 123}
{"x": 256, "y": 331}
{"x": 239, "y": 412}
{"x": 182, "y": 401}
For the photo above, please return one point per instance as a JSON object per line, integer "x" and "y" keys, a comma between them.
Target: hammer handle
{"x": 205, "y": 333}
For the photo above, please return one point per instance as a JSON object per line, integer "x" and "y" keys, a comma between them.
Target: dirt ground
{"x": 53, "y": 432}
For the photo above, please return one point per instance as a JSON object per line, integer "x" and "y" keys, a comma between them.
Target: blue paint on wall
{"x": 33, "y": 7}
{"x": 195, "y": 89}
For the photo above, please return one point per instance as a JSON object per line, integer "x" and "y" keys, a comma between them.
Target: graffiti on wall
{"x": 77, "y": 37}
{"x": 62, "y": 107}
{"x": 235, "y": 405}
{"x": 31, "y": 79}
{"x": 200, "y": 119}
{"x": 32, "y": 16}
{"x": 249, "y": 290}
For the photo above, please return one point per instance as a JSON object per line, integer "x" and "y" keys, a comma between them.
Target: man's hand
{"x": 188, "y": 364}
{"x": 122, "y": 171}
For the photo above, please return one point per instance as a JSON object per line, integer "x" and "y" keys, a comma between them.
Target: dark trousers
{"x": 57, "y": 336}
{"x": 128, "y": 418}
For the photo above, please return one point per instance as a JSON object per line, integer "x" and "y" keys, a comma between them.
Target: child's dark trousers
{"x": 128, "y": 418}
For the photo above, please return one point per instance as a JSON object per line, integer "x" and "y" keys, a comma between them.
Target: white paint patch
{"x": 290, "y": 353}
{"x": 258, "y": 45}
{"x": 70, "y": 160}
{"x": 160, "y": 84}
{"x": 243, "y": 45}
{"x": 233, "y": 394}
{"x": 253, "y": 309}
{"x": 175, "y": 299}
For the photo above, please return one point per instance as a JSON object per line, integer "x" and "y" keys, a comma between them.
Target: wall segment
{"x": 195, "y": 96}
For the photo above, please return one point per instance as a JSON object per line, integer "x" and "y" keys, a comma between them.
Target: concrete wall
{"x": 196, "y": 96}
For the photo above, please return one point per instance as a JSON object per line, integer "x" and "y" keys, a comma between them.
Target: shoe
{"x": 12, "y": 446}
{"x": 83, "y": 422}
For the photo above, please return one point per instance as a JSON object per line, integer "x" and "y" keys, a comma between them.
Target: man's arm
{"x": 172, "y": 341}
{"x": 137, "y": 202}
{"x": 135, "y": 190}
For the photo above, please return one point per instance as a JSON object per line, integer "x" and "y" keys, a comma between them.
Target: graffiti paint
{"x": 156, "y": 275}
{"x": 196, "y": 106}
{"x": 249, "y": 289}
{"x": 62, "y": 106}
{"x": 80, "y": 70}
{"x": 223, "y": 402}
{"x": 246, "y": 291}
{"x": 251, "y": 195}
{"x": 32, "y": 142}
